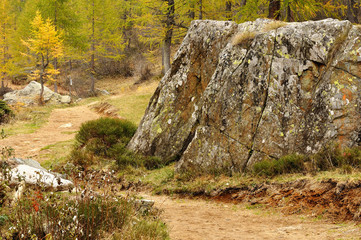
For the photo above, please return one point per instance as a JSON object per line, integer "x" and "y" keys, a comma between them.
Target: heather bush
{"x": 105, "y": 140}
{"x": 293, "y": 163}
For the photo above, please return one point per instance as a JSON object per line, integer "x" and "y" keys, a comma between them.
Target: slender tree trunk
{"x": 41, "y": 97}
{"x": 92, "y": 61}
{"x": 125, "y": 30}
{"x": 163, "y": 64}
{"x": 274, "y": 9}
{"x": 166, "y": 52}
{"x": 289, "y": 14}
{"x": 56, "y": 29}
{"x": 229, "y": 10}
{"x": 192, "y": 14}
{"x": 352, "y": 11}
{"x": 200, "y": 9}
{"x": 4, "y": 56}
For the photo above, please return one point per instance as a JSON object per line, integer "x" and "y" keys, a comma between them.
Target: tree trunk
{"x": 192, "y": 14}
{"x": 56, "y": 29}
{"x": 43, "y": 67}
{"x": 274, "y": 9}
{"x": 352, "y": 11}
{"x": 200, "y": 9}
{"x": 229, "y": 10}
{"x": 167, "y": 53}
{"x": 41, "y": 97}
{"x": 4, "y": 56}
{"x": 92, "y": 60}
{"x": 163, "y": 57}
{"x": 289, "y": 14}
{"x": 168, "y": 37}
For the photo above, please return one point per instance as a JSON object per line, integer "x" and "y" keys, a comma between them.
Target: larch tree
{"x": 61, "y": 14}
{"x": 104, "y": 25}
{"x": 46, "y": 45}
{"x": 5, "y": 29}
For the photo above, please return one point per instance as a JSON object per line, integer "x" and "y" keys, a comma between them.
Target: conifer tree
{"x": 46, "y": 45}
{"x": 5, "y": 28}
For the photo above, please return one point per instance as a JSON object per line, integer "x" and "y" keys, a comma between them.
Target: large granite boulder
{"x": 226, "y": 104}
{"x": 30, "y": 94}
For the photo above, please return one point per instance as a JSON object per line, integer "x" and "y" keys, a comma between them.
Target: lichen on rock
{"x": 222, "y": 105}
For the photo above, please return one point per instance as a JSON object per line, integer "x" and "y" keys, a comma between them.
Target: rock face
{"x": 225, "y": 106}
{"x": 31, "y": 92}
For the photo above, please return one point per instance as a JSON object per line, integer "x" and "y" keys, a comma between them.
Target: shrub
{"x": 106, "y": 139}
{"x": 351, "y": 157}
{"x": 125, "y": 158}
{"x": 293, "y": 163}
{"x": 63, "y": 216}
{"x": 99, "y": 136}
{"x": 5, "y": 112}
{"x": 328, "y": 158}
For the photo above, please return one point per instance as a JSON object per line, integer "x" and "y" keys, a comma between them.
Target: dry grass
{"x": 273, "y": 26}
{"x": 106, "y": 109}
{"x": 243, "y": 37}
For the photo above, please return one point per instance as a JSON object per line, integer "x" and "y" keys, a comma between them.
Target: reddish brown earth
{"x": 337, "y": 201}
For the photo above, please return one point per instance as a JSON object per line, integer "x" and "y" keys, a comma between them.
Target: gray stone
{"x": 32, "y": 173}
{"x": 65, "y": 99}
{"x": 291, "y": 89}
{"x": 30, "y": 94}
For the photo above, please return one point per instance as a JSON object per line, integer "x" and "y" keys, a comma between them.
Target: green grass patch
{"x": 55, "y": 156}
{"x": 133, "y": 106}
{"x": 28, "y": 120}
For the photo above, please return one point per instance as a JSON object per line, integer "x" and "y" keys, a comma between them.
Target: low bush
{"x": 293, "y": 163}
{"x": 329, "y": 158}
{"x": 40, "y": 215}
{"x": 105, "y": 140}
{"x": 5, "y": 112}
{"x": 101, "y": 135}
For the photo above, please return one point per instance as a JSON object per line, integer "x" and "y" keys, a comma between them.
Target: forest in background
{"x": 62, "y": 40}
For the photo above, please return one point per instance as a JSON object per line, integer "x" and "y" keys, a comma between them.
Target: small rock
{"x": 67, "y": 125}
{"x": 65, "y": 99}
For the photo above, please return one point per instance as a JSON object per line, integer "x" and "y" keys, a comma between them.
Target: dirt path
{"x": 207, "y": 220}
{"x": 189, "y": 219}
{"x": 61, "y": 126}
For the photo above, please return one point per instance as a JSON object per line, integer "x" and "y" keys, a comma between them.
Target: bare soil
{"x": 225, "y": 218}
{"x": 62, "y": 126}
{"x": 201, "y": 219}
